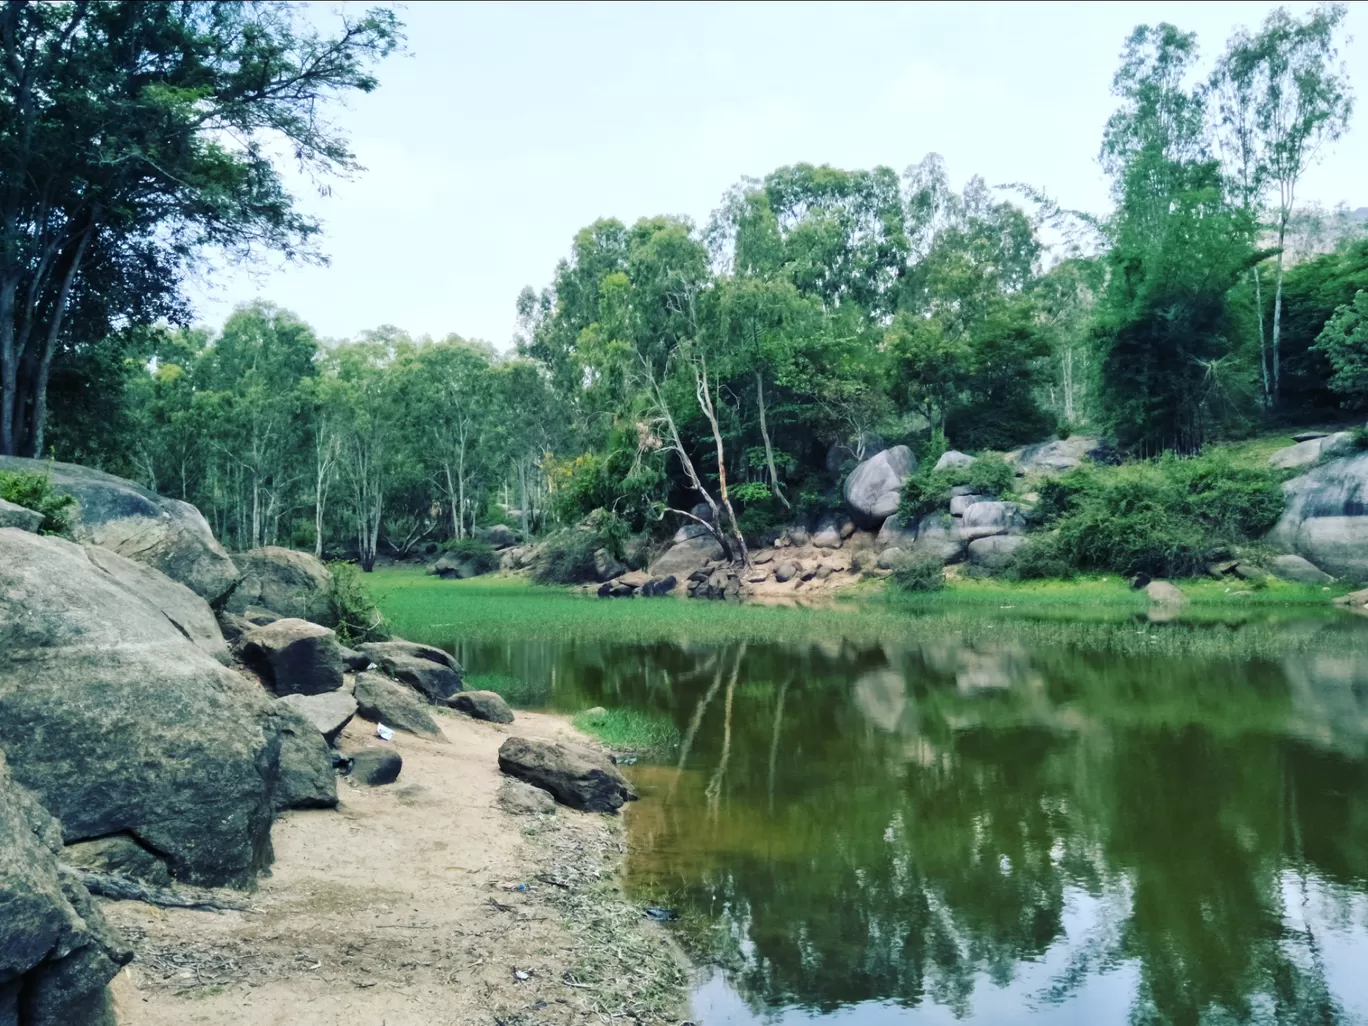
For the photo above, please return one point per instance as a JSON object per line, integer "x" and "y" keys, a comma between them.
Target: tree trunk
{"x": 1263, "y": 341}
{"x": 706, "y": 404}
{"x": 769, "y": 449}
{"x": 1277, "y": 320}
{"x": 38, "y": 397}
{"x": 9, "y": 370}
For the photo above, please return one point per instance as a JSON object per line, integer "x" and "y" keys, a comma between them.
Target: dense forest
{"x": 742, "y": 365}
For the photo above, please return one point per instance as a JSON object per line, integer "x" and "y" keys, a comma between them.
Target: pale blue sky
{"x": 507, "y": 128}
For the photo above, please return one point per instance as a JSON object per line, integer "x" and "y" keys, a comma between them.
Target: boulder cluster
{"x": 160, "y": 702}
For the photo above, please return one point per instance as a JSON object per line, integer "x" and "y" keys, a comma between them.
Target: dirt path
{"x": 402, "y": 908}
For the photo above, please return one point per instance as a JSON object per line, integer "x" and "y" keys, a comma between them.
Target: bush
{"x": 478, "y": 555}
{"x": 358, "y": 619}
{"x": 990, "y": 474}
{"x": 928, "y": 490}
{"x": 919, "y": 572}
{"x": 34, "y": 491}
{"x": 567, "y": 557}
{"x": 1040, "y": 558}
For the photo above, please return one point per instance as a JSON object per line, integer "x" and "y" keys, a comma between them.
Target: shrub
{"x": 478, "y": 555}
{"x": 990, "y": 474}
{"x": 919, "y": 572}
{"x": 1041, "y": 558}
{"x": 567, "y": 557}
{"x": 34, "y": 491}
{"x": 358, "y": 619}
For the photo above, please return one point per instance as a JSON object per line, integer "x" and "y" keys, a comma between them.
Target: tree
{"x": 132, "y": 138}
{"x": 1283, "y": 99}
{"x": 1344, "y": 342}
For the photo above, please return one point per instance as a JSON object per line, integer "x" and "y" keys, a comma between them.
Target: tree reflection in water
{"x": 919, "y": 825}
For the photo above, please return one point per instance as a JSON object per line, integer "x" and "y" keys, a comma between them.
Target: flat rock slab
{"x": 293, "y": 656}
{"x": 483, "y": 705}
{"x": 376, "y": 767}
{"x": 328, "y": 712}
{"x": 380, "y": 700}
{"x": 574, "y": 775}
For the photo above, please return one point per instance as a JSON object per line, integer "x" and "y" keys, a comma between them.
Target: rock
{"x": 1295, "y": 568}
{"x": 328, "y": 712}
{"x": 354, "y": 660}
{"x": 607, "y": 566}
{"x": 293, "y": 657}
{"x": 960, "y": 503}
{"x": 232, "y": 626}
{"x": 691, "y": 530}
{"x": 684, "y": 557}
{"x": 762, "y": 557}
{"x": 1325, "y": 518}
{"x": 937, "y": 536}
{"x": 1139, "y": 581}
{"x": 995, "y": 552}
{"x": 1053, "y": 457}
{"x": 785, "y": 571}
{"x": 120, "y": 855}
{"x": 483, "y": 705}
{"x": 847, "y": 529}
{"x": 1306, "y": 436}
{"x": 893, "y": 533}
{"x": 452, "y": 566}
{"x": 522, "y": 799}
{"x": 757, "y": 577}
{"x": 119, "y": 724}
{"x": 954, "y": 460}
{"x": 306, "y": 778}
{"x": 658, "y": 586}
{"x": 376, "y": 767}
{"x": 1355, "y": 599}
{"x": 292, "y": 583}
{"x": 57, "y": 954}
{"x": 259, "y": 617}
{"x": 500, "y": 536}
{"x": 828, "y": 536}
{"x": 796, "y": 536}
{"x": 874, "y": 488}
{"x": 891, "y": 558}
{"x": 1311, "y": 451}
{"x": 188, "y": 612}
{"x": 380, "y": 700}
{"x": 574, "y": 775}
{"x": 166, "y": 534}
{"x": 987, "y": 518}
{"x": 1165, "y": 594}
{"x": 20, "y": 517}
{"x": 429, "y": 670}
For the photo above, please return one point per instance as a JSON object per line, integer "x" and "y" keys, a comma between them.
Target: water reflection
{"x": 938, "y": 831}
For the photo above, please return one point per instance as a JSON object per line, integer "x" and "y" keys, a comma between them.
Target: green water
{"x": 997, "y": 826}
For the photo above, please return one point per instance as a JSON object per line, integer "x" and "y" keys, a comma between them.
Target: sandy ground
{"x": 403, "y": 908}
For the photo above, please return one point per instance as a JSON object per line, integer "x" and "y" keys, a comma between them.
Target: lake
{"x": 980, "y": 826}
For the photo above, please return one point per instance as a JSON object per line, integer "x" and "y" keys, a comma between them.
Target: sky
{"x": 505, "y": 129}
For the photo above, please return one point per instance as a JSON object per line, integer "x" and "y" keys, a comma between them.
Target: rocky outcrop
{"x": 380, "y": 700}
{"x": 1052, "y": 457}
{"x": 1309, "y": 452}
{"x": 995, "y": 553}
{"x": 483, "y": 705}
{"x": 1299, "y": 570}
{"x": 288, "y": 582}
{"x": 430, "y": 671}
{"x": 987, "y": 518}
{"x": 1325, "y": 517}
{"x": 119, "y": 724}
{"x": 874, "y": 488}
{"x": 19, "y": 517}
{"x": 684, "y": 557}
{"x": 574, "y": 775}
{"x": 293, "y": 657}
{"x": 939, "y": 537}
{"x": 893, "y": 533}
{"x": 166, "y": 534}
{"x": 57, "y": 954}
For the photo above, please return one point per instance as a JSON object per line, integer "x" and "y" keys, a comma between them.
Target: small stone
{"x": 785, "y": 571}
{"x": 376, "y": 767}
{"x": 522, "y": 799}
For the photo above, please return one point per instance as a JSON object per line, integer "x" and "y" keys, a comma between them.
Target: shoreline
{"x": 433, "y": 900}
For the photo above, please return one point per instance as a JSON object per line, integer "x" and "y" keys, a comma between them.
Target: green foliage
{"x": 919, "y": 572}
{"x": 1344, "y": 343}
{"x": 990, "y": 474}
{"x": 1314, "y": 292}
{"x": 358, "y": 618}
{"x": 567, "y": 557}
{"x": 1166, "y": 517}
{"x": 34, "y": 491}
{"x": 516, "y": 691}
{"x": 1041, "y": 559}
{"x": 479, "y": 556}
{"x": 630, "y": 729}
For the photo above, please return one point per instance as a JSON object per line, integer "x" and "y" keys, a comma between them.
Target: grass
{"x": 519, "y": 693}
{"x": 630, "y": 730}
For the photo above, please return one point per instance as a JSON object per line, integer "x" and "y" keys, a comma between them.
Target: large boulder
{"x": 57, "y": 954}
{"x": 1052, "y": 457}
{"x": 380, "y": 700}
{"x": 683, "y": 557}
{"x": 430, "y": 671}
{"x": 1311, "y": 451}
{"x": 293, "y": 657}
{"x": 304, "y": 778}
{"x": 119, "y": 724}
{"x": 1325, "y": 517}
{"x": 995, "y": 553}
{"x": 285, "y": 581}
{"x": 893, "y": 533}
{"x": 874, "y": 488}
{"x": 891, "y": 558}
{"x": 574, "y": 775}
{"x": 987, "y": 518}
{"x": 607, "y": 566}
{"x": 166, "y": 534}
{"x": 938, "y": 536}
{"x": 19, "y": 516}
{"x": 954, "y": 460}
{"x": 501, "y": 536}
{"x": 328, "y": 713}
{"x": 1299, "y": 570}
{"x": 828, "y": 536}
